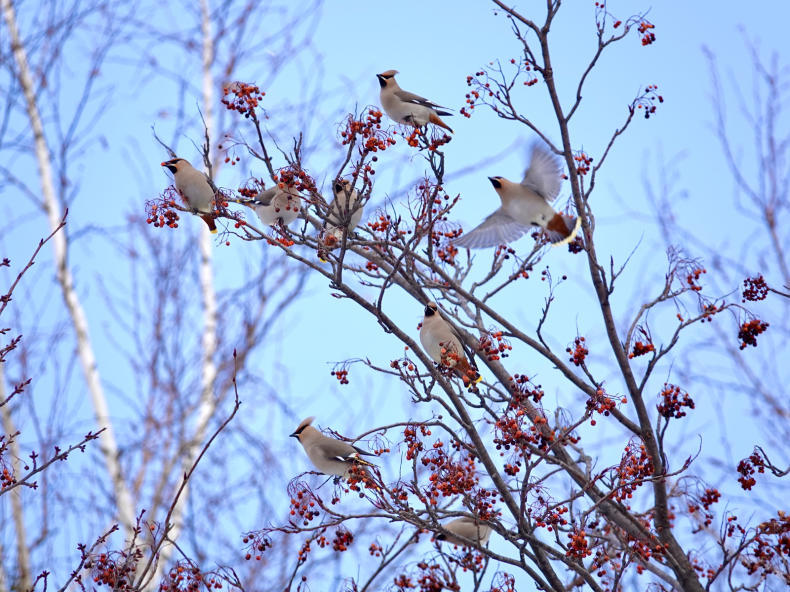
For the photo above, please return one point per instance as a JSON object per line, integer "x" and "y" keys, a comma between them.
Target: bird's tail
{"x": 247, "y": 201}
{"x": 437, "y": 121}
{"x": 562, "y": 229}
{"x": 361, "y": 461}
{"x": 467, "y": 372}
{"x": 209, "y": 220}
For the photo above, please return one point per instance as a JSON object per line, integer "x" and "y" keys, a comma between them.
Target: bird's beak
{"x": 495, "y": 182}
{"x": 294, "y": 435}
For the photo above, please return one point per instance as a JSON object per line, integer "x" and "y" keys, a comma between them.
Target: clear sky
{"x": 435, "y": 45}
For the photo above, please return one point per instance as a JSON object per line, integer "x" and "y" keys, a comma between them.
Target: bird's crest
{"x": 305, "y": 422}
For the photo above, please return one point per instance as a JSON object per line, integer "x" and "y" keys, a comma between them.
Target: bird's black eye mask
{"x": 429, "y": 311}
{"x": 170, "y": 165}
{"x": 495, "y": 182}
{"x": 297, "y": 432}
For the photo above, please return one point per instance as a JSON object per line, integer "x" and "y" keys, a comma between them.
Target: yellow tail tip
{"x": 478, "y": 379}
{"x": 572, "y": 235}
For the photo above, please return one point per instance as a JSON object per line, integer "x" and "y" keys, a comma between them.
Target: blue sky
{"x": 434, "y": 45}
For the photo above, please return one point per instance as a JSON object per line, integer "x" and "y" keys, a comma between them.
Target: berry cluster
{"x": 640, "y": 349}
{"x": 749, "y": 331}
{"x": 242, "y": 98}
{"x": 754, "y": 289}
{"x": 494, "y": 346}
{"x": 579, "y": 351}
{"x": 578, "y": 547}
{"x": 184, "y": 577}
{"x": 646, "y": 31}
{"x": 161, "y": 211}
{"x": 583, "y": 162}
{"x": 673, "y": 401}
{"x": 257, "y": 544}
{"x": 747, "y": 467}
{"x": 647, "y": 101}
{"x": 635, "y": 467}
{"x": 115, "y": 569}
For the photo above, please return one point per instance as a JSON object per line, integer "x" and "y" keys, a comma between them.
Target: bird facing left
{"x": 194, "y": 188}
{"x": 329, "y": 455}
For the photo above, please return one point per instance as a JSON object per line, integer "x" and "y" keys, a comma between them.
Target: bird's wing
{"x": 497, "y": 229}
{"x": 544, "y": 175}
{"x": 409, "y": 97}
{"x": 358, "y": 450}
{"x": 341, "y": 451}
{"x": 265, "y": 197}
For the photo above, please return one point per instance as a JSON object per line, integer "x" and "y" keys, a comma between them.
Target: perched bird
{"x": 194, "y": 189}
{"x": 405, "y": 107}
{"x": 524, "y": 205}
{"x": 468, "y": 528}
{"x": 441, "y": 342}
{"x": 328, "y": 455}
{"x": 344, "y": 211}
{"x": 276, "y": 206}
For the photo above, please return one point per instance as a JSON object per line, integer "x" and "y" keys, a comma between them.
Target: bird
{"x": 344, "y": 211}
{"x": 468, "y": 528}
{"x": 194, "y": 189}
{"x": 405, "y": 107}
{"x": 329, "y": 455}
{"x": 276, "y": 205}
{"x": 441, "y": 342}
{"x": 524, "y": 205}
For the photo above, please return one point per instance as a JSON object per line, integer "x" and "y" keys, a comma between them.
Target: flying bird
{"x": 524, "y": 205}
{"x": 468, "y": 528}
{"x": 405, "y": 107}
{"x": 441, "y": 342}
{"x": 329, "y": 455}
{"x": 276, "y": 206}
{"x": 194, "y": 189}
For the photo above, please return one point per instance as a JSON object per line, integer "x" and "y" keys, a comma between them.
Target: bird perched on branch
{"x": 276, "y": 205}
{"x": 194, "y": 188}
{"x": 440, "y": 341}
{"x": 524, "y": 205}
{"x": 344, "y": 211}
{"x": 329, "y": 455}
{"x": 405, "y": 107}
{"x": 468, "y": 528}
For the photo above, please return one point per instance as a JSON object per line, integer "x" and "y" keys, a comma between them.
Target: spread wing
{"x": 409, "y": 97}
{"x": 497, "y": 229}
{"x": 544, "y": 175}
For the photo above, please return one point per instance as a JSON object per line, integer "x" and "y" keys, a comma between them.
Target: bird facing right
{"x": 525, "y": 205}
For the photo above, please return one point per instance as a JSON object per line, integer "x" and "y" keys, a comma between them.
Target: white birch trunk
{"x": 208, "y": 404}
{"x": 24, "y": 573}
{"x": 109, "y": 447}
